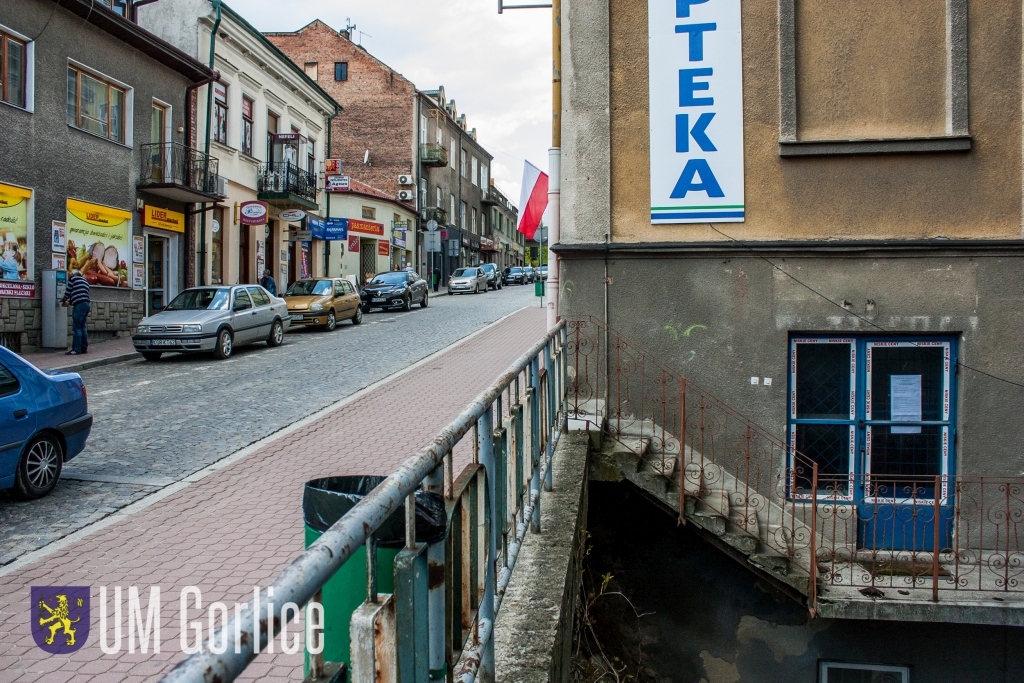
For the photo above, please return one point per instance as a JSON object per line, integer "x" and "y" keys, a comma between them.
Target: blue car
{"x": 44, "y": 421}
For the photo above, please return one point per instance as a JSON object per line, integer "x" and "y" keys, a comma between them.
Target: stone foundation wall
{"x": 21, "y": 322}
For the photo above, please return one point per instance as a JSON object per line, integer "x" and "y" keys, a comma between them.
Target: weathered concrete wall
{"x": 533, "y": 633}
{"x": 719, "y": 320}
{"x": 707, "y": 619}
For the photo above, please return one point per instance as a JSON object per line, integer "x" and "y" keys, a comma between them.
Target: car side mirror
{"x": 239, "y": 306}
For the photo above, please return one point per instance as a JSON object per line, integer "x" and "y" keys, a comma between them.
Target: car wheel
{"x": 225, "y": 345}
{"x": 332, "y": 322}
{"x": 423, "y": 304}
{"x": 152, "y": 355}
{"x": 451, "y": 293}
{"x": 276, "y": 337}
{"x": 39, "y": 468}
{"x": 357, "y": 317}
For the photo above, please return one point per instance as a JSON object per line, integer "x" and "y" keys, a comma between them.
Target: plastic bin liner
{"x": 326, "y": 500}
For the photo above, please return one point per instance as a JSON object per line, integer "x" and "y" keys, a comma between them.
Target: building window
{"x": 96, "y": 105}
{"x": 341, "y": 71}
{"x": 369, "y": 213}
{"x": 311, "y": 69}
{"x": 462, "y": 216}
{"x": 451, "y": 212}
{"x": 272, "y": 123}
{"x": 474, "y": 171}
{"x": 423, "y": 192}
{"x": 837, "y": 672}
{"x": 874, "y": 414}
{"x": 423, "y": 129}
{"x": 220, "y": 113}
{"x": 311, "y": 156}
{"x": 246, "y": 126}
{"x": 453, "y": 156}
{"x": 439, "y": 200}
{"x": 440, "y": 134}
{"x": 473, "y": 224}
{"x": 462, "y": 159}
{"x": 13, "y": 70}
{"x": 118, "y": 6}
{"x": 485, "y": 176}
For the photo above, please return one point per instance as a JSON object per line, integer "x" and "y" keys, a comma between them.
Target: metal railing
{"x": 515, "y": 425}
{"x": 864, "y": 531}
{"x": 434, "y": 213}
{"x": 284, "y": 176}
{"x": 171, "y": 163}
{"x": 432, "y": 153}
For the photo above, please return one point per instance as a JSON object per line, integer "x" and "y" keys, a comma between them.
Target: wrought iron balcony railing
{"x": 434, "y": 213}
{"x": 286, "y": 177}
{"x": 172, "y": 164}
{"x": 433, "y": 154}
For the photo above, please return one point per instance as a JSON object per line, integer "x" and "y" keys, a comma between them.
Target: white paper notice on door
{"x": 905, "y": 397}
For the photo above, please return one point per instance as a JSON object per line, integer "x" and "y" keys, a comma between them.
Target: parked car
{"x": 531, "y": 274}
{"x": 467, "y": 280}
{"x": 493, "y": 277}
{"x": 214, "y": 319}
{"x": 515, "y": 276}
{"x": 322, "y": 302}
{"x": 395, "y": 289}
{"x": 543, "y": 272}
{"x": 44, "y": 422}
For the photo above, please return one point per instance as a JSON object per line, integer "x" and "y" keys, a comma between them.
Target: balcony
{"x": 286, "y": 186}
{"x": 433, "y": 155}
{"x": 491, "y": 198}
{"x": 172, "y": 170}
{"x": 434, "y": 213}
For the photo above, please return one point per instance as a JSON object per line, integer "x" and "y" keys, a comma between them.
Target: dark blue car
{"x": 44, "y": 421}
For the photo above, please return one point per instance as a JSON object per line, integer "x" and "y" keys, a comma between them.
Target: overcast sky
{"x": 497, "y": 68}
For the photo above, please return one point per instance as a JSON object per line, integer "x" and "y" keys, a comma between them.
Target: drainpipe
{"x": 555, "y": 162}
{"x": 206, "y": 148}
{"x": 327, "y": 243}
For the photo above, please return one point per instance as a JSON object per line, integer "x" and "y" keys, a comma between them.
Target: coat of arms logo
{"x": 60, "y": 618}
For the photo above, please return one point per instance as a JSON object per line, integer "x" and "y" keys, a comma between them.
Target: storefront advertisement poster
{"x": 353, "y": 243}
{"x": 59, "y": 261}
{"x": 59, "y": 236}
{"x": 14, "y": 248}
{"x": 138, "y": 249}
{"x": 366, "y": 227}
{"x": 138, "y": 277}
{"x": 383, "y": 248}
{"x": 98, "y": 243}
{"x": 164, "y": 219}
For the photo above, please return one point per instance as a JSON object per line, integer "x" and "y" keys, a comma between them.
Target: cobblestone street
{"x": 158, "y": 423}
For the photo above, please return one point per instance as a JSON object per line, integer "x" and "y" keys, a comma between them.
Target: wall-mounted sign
{"x": 252, "y": 213}
{"x": 59, "y": 261}
{"x": 398, "y": 238}
{"x": 400, "y": 225}
{"x": 332, "y": 166}
{"x": 58, "y": 236}
{"x": 696, "y": 111}
{"x": 383, "y": 248}
{"x": 331, "y": 229}
{"x": 98, "y": 243}
{"x": 366, "y": 227}
{"x": 15, "y": 256}
{"x": 337, "y": 183}
{"x": 353, "y": 244}
{"x": 299, "y": 235}
{"x": 487, "y": 244}
{"x": 165, "y": 219}
{"x": 138, "y": 249}
{"x": 138, "y": 277}
{"x": 293, "y": 215}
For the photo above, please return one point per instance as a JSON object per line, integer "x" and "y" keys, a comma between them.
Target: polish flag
{"x": 533, "y": 201}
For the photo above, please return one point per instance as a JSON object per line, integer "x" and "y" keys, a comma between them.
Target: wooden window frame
{"x": 4, "y": 37}
{"x": 111, "y": 86}
{"x": 245, "y": 143}
{"x": 218, "y": 106}
{"x": 341, "y": 71}
{"x": 371, "y": 211}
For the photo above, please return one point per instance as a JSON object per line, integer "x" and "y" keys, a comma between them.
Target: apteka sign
{"x": 696, "y": 111}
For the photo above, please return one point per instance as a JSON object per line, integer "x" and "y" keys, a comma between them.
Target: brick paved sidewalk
{"x": 241, "y": 525}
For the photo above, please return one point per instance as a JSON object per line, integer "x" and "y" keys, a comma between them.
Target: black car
{"x": 515, "y": 276}
{"x": 493, "y": 276}
{"x": 394, "y": 289}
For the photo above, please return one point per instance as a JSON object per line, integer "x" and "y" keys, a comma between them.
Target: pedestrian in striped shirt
{"x": 77, "y": 295}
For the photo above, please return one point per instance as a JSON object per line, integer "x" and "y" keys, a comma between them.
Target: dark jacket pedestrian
{"x": 436, "y": 278}
{"x": 77, "y": 296}
{"x": 267, "y": 282}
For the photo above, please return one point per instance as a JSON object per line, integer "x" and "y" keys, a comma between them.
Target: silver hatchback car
{"x": 465, "y": 280}
{"x": 214, "y": 319}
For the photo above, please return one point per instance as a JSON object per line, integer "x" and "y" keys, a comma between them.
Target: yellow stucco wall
{"x": 973, "y": 195}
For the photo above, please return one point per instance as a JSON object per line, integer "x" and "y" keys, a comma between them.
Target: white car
{"x": 467, "y": 281}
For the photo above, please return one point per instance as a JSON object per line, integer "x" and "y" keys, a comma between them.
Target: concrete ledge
{"x": 533, "y": 632}
{"x": 98, "y": 362}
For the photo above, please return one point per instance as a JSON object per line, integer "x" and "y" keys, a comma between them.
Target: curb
{"x": 97, "y": 362}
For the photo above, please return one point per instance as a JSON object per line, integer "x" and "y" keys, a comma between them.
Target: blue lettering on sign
{"x": 687, "y": 180}
{"x": 696, "y": 32}
{"x": 688, "y": 86}
{"x": 699, "y": 132}
{"x": 683, "y": 6}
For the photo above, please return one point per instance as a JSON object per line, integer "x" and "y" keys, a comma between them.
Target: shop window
{"x": 220, "y": 113}
{"x": 14, "y": 54}
{"x": 841, "y": 672}
{"x": 341, "y": 71}
{"x": 369, "y": 213}
{"x": 217, "y": 249}
{"x": 97, "y": 105}
{"x": 247, "y": 105}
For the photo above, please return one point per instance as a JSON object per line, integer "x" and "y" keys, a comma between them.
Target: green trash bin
{"x": 324, "y": 502}
{"x": 538, "y": 288}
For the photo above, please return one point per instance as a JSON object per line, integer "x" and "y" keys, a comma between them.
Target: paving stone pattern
{"x": 239, "y": 526}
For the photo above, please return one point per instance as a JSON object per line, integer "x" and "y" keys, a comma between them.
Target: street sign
{"x": 337, "y": 183}
{"x": 293, "y": 215}
{"x": 332, "y": 166}
{"x": 432, "y": 240}
{"x": 431, "y": 225}
{"x": 300, "y": 235}
{"x": 453, "y": 247}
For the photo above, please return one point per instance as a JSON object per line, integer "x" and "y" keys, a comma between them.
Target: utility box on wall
{"x": 55, "y": 317}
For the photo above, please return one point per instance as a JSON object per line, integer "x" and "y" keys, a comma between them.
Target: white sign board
{"x": 905, "y": 397}
{"x": 696, "y": 111}
{"x": 432, "y": 241}
{"x": 336, "y": 183}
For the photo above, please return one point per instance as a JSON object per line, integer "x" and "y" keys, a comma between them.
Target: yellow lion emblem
{"x": 60, "y": 618}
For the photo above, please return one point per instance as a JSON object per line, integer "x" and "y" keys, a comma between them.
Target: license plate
{"x": 296, "y": 317}
{"x": 162, "y": 342}
{"x": 378, "y": 300}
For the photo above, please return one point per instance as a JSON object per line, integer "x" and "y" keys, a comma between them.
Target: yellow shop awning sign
{"x": 12, "y": 196}
{"x": 165, "y": 219}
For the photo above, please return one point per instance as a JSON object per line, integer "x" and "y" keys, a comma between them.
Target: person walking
{"x": 267, "y": 282}
{"x": 436, "y": 278}
{"x": 77, "y": 296}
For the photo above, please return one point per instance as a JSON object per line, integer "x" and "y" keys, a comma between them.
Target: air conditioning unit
{"x": 222, "y": 186}
{"x": 406, "y": 195}
{"x": 406, "y": 180}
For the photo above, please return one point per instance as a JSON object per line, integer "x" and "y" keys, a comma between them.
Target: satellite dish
{"x": 366, "y": 157}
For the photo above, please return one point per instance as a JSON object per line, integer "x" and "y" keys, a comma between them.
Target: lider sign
{"x": 696, "y": 84}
